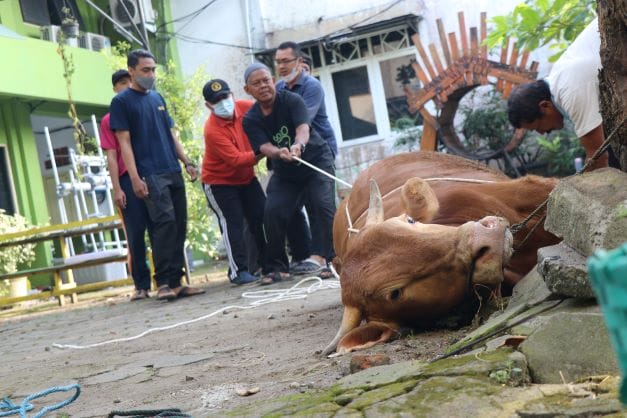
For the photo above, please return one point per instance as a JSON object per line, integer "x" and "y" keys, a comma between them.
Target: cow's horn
{"x": 350, "y": 320}
{"x": 375, "y": 207}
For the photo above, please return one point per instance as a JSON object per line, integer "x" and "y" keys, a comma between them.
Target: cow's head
{"x": 405, "y": 271}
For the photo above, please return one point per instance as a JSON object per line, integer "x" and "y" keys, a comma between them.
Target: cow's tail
{"x": 350, "y": 320}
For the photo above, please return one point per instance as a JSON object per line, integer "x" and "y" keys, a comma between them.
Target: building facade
{"x": 361, "y": 49}
{"x": 34, "y": 93}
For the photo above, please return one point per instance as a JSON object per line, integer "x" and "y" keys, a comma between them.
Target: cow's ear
{"x": 419, "y": 200}
{"x": 365, "y": 336}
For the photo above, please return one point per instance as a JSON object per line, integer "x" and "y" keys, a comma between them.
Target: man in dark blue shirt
{"x": 278, "y": 126}
{"x": 288, "y": 59}
{"x": 151, "y": 150}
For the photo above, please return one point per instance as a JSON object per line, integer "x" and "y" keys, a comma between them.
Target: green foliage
{"x": 536, "y": 23}
{"x": 408, "y": 133}
{"x": 559, "y": 151}
{"x": 85, "y": 144}
{"x": 186, "y": 106}
{"x": 14, "y": 255}
{"x": 116, "y": 55}
{"x": 405, "y": 73}
{"x": 485, "y": 123}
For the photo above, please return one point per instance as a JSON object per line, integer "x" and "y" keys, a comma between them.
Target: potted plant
{"x": 15, "y": 255}
{"x": 69, "y": 27}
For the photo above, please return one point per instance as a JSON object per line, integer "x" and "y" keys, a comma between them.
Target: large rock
{"x": 564, "y": 271}
{"x": 573, "y": 343}
{"x": 587, "y": 210}
{"x": 530, "y": 291}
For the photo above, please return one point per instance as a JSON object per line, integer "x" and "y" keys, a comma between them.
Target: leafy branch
{"x": 84, "y": 142}
{"x": 536, "y": 23}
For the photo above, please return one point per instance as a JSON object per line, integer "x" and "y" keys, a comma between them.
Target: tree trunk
{"x": 613, "y": 76}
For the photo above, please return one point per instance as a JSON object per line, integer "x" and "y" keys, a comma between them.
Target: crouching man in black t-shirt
{"x": 278, "y": 126}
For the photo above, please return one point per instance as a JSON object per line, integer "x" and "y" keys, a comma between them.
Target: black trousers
{"x": 287, "y": 195}
{"x": 299, "y": 235}
{"x": 167, "y": 208}
{"x": 136, "y": 222}
{"x": 237, "y": 206}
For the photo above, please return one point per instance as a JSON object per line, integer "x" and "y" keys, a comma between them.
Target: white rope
{"x": 298, "y": 291}
{"x": 457, "y": 179}
{"x": 321, "y": 171}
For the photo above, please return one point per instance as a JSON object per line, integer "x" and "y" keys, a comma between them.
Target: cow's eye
{"x": 395, "y": 294}
{"x": 410, "y": 220}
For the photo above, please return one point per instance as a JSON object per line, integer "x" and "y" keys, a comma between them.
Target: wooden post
{"x": 445, "y": 50}
{"x": 429, "y": 132}
{"x": 484, "y": 47}
{"x": 499, "y": 82}
{"x": 423, "y": 55}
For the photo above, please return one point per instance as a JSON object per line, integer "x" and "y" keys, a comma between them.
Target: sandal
{"x": 165, "y": 293}
{"x": 274, "y": 277}
{"x": 309, "y": 266}
{"x": 187, "y": 291}
{"x": 326, "y": 273}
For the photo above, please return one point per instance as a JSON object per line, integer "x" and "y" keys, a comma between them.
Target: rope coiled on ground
{"x": 8, "y": 408}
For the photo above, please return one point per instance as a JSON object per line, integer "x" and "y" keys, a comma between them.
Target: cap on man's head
{"x": 119, "y": 75}
{"x": 215, "y": 90}
{"x": 254, "y": 67}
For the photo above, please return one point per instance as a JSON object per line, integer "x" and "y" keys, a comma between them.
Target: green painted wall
{"x": 17, "y": 134}
{"x": 33, "y": 69}
{"x": 31, "y": 81}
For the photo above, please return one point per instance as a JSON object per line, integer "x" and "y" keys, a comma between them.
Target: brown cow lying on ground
{"x": 412, "y": 249}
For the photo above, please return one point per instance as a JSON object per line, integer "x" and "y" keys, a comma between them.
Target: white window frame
{"x": 7, "y": 164}
{"x": 372, "y": 64}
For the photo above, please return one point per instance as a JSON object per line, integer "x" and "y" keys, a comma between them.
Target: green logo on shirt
{"x": 282, "y": 138}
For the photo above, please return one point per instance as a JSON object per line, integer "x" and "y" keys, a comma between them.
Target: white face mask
{"x": 224, "y": 108}
{"x": 292, "y": 75}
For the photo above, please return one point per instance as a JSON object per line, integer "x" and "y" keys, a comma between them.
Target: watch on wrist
{"x": 302, "y": 147}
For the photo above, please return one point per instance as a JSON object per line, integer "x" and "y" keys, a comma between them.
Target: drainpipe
{"x": 246, "y": 6}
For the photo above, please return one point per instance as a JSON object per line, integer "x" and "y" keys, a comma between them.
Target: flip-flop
{"x": 187, "y": 291}
{"x": 308, "y": 266}
{"x": 326, "y": 273}
{"x": 274, "y": 277}
{"x": 165, "y": 293}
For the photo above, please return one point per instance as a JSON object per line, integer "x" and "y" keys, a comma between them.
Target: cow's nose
{"x": 491, "y": 222}
{"x": 488, "y": 235}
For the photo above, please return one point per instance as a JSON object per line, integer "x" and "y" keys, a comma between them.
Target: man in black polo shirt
{"x": 278, "y": 126}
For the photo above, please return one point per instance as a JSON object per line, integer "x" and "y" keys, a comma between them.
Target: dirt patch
{"x": 199, "y": 367}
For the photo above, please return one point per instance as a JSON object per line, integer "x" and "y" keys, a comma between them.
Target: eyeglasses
{"x": 283, "y": 62}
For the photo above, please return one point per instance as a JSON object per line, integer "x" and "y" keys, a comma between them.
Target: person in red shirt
{"x": 232, "y": 190}
{"x": 133, "y": 209}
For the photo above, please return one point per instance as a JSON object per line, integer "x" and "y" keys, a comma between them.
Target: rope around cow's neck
{"x": 456, "y": 179}
{"x": 521, "y": 225}
{"x": 350, "y": 223}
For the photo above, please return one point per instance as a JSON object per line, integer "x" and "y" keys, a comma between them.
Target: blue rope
{"x": 10, "y": 408}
